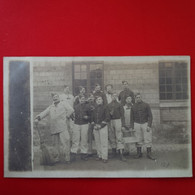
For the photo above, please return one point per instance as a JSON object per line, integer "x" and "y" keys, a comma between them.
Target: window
{"x": 87, "y": 74}
{"x": 173, "y": 81}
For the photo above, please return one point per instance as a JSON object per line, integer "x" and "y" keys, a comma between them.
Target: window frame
{"x": 88, "y": 64}
{"x": 173, "y": 83}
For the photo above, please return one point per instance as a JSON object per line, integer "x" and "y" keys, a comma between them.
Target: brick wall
{"x": 49, "y": 76}
{"x": 174, "y": 115}
{"x": 142, "y": 77}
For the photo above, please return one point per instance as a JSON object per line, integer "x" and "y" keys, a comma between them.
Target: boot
{"x": 113, "y": 152}
{"x": 84, "y": 157}
{"x": 104, "y": 160}
{"x": 149, "y": 154}
{"x": 73, "y": 156}
{"x": 122, "y": 158}
{"x": 126, "y": 153}
{"x": 98, "y": 158}
{"x": 139, "y": 153}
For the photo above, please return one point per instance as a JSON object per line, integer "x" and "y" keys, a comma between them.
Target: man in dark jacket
{"x": 98, "y": 92}
{"x": 116, "y": 123}
{"x": 91, "y": 104}
{"x": 82, "y": 92}
{"x": 80, "y": 130}
{"x": 141, "y": 122}
{"x": 125, "y": 93}
{"x": 100, "y": 117}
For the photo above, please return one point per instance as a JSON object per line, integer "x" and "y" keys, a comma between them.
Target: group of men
{"x": 106, "y": 117}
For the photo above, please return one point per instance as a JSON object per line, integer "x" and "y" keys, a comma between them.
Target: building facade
{"x": 164, "y": 84}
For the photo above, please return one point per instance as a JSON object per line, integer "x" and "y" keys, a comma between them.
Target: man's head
{"x": 81, "y": 99}
{"x": 66, "y": 89}
{"x": 99, "y": 100}
{"x": 114, "y": 96}
{"x": 128, "y": 99}
{"x": 109, "y": 88}
{"x": 97, "y": 87}
{"x": 125, "y": 85}
{"x": 81, "y": 90}
{"x": 56, "y": 98}
{"x": 138, "y": 97}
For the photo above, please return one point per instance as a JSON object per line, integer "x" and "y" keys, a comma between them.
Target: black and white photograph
{"x": 97, "y": 117}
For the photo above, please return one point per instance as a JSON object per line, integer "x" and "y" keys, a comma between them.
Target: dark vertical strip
{"x": 19, "y": 117}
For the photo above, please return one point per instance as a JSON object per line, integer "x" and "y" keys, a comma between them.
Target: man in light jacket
{"x": 58, "y": 113}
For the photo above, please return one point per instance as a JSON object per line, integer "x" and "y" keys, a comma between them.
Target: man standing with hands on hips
{"x": 141, "y": 122}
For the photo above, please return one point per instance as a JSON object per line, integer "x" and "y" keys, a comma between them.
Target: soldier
{"x": 117, "y": 122}
{"x": 126, "y": 129}
{"x": 82, "y": 93}
{"x": 58, "y": 113}
{"x": 100, "y": 117}
{"x": 91, "y": 104}
{"x": 141, "y": 122}
{"x": 98, "y": 92}
{"x": 80, "y": 130}
{"x": 109, "y": 91}
{"x": 67, "y": 96}
{"x": 126, "y": 92}
{"x": 111, "y": 133}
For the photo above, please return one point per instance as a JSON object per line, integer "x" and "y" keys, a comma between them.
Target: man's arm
{"x": 150, "y": 117}
{"x": 133, "y": 96}
{"x": 43, "y": 114}
{"x": 132, "y": 119}
{"x": 122, "y": 113}
{"x": 104, "y": 99}
{"x": 107, "y": 114}
{"x": 119, "y": 97}
{"x": 76, "y": 101}
{"x": 68, "y": 108}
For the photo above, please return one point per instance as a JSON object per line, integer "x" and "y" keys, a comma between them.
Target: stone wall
{"x": 176, "y": 115}
{"x": 142, "y": 77}
{"x": 48, "y": 77}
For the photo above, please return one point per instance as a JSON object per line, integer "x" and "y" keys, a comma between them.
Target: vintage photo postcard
{"x": 102, "y": 117}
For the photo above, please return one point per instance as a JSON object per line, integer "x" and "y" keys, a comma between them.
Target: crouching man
{"x": 100, "y": 117}
{"x": 58, "y": 113}
{"x": 141, "y": 122}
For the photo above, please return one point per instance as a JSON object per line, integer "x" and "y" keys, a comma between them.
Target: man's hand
{"x": 123, "y": 129}
{"x": 97, "y": 127}
{"x": 85, "y": 117}
{"x": 37, "y": 119}
{"x": 36, "y": 122}
{"x": 148, "y": 129}
{"x": 131, "y": 129}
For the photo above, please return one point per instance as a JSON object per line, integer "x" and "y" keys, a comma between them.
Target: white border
{"x": 87, "y": 174}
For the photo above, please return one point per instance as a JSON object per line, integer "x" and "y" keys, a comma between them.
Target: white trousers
{"x": 143, "y": 136}
{"x": 64, "y": 139}
{"x": 111, "y": 136}
{"x": 80, "y": 138}
{"x": 101, "y": 141}
{"x": 116, "y": 126}
{"x": 70, "y": 125}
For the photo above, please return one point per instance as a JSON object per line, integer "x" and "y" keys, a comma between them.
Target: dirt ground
{"x": 173, "y": 156}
